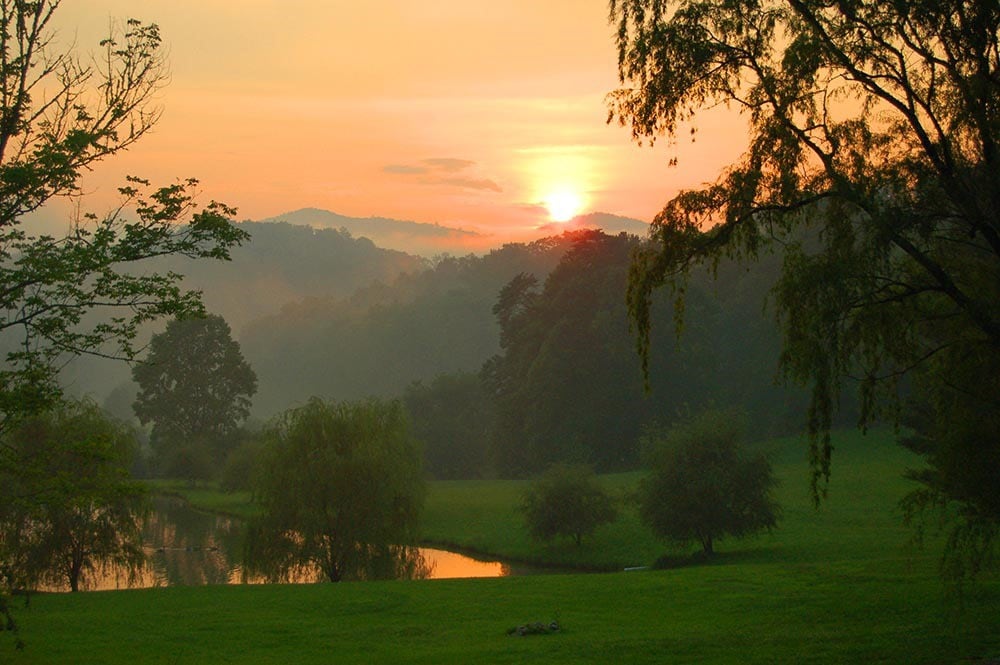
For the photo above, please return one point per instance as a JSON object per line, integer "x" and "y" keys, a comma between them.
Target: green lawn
{"x": 833, "y": 585}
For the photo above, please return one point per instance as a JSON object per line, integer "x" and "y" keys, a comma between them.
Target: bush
{"x": 566, "y": 500}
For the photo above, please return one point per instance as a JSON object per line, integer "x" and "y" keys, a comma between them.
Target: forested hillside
{"x": 508, "y": 361}
{"x": 283, "y": 263}
{"x": 386, "y": 336}
{"x": 566, "y": 385}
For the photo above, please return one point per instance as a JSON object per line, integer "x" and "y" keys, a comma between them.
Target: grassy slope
{"x": 836, "y": 585}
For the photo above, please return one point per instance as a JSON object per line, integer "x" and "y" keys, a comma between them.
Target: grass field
{"x": 838, "y": 584}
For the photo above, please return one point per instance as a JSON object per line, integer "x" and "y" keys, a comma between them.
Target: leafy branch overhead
{"x": 62, "y": 114}
{"x": 872, "y": 163}
{"x": 872, "y": 167}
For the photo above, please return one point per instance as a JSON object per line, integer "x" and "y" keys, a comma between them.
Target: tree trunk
{"x": 706, "y": 543}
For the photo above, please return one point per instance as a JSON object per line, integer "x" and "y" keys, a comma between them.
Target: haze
{"x": 469, "y": 114}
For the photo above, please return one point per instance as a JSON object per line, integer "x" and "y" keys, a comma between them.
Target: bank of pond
{"x": 190, "y": 547}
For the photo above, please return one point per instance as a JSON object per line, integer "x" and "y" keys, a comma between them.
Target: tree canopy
{"x": 341, "y": 488}
{"x": 70, "y": 295}
{"x": 872, "y": 165}
{"x": 195, "y": 388}
{"x": 566, "y": 500}
{"x": 85, "y": 292}
{"x": 703, "y": 486}
{"x": 71, "y": 508}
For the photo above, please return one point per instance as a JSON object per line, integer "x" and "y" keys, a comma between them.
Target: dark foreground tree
{"x": 72, "y": 508}
{"x": 195, "y": 387}
{"x": 566, "y": 501}
{"x": 84, "y": 292}
{"x": 341, "y": 488}
{"x": 703, "y": 486}
{"x": 873, "y": 164}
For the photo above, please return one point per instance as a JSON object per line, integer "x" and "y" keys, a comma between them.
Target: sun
{"x": 563, "y": 204}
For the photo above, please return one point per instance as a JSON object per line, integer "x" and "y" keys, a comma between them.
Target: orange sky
{"x": 467, "y": 113}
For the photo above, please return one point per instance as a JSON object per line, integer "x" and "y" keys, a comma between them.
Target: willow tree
{"x": 340, "y": 489}
{"x": 873, "y": 165}
{"x": 80, "y": 514}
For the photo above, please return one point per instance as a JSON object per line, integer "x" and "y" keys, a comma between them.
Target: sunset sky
{"x": 469, "y": 113}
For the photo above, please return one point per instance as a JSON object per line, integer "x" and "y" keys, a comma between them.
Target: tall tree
{"x": 341, "y": 489}
{"x": 873, "y": 164}
{"x": 75, "y": 511}
{"x": 567, "y": 386}
{"x": 195, "y": 388}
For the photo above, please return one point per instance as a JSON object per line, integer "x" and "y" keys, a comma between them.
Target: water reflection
{"x": 189, "y": 547}
{"x": 186, "y": 547}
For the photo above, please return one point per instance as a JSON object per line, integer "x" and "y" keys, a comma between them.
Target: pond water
{"x": 187, "y": 547}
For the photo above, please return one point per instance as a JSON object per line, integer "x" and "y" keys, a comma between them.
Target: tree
{"x": 60, "y": 116}
{"x": 873, "y": 165}
{"x": 703, "y": 487}
{"x": 75, "y": 510}
{"x": 195, "y": 387}
{"x": 82, "y": 293}
{"x": 566, "y": 385}
{"x": 566, "y": 500}
{"x": 341, "y": 488}
{"x": 451, "y": 418}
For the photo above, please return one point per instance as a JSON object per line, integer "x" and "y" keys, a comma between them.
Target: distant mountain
{"x": 285, "y": 263}
{"x": 412, "y": 237}
{"x": 430, "y": 240}
{"x": 610, "y": 224}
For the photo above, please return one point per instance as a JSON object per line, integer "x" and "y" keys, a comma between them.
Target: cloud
{"x": 469, "y": 183}
{"x": 438, "y": 170}
{"x": 448, "y": 164}
{"x": 404, "y": 169}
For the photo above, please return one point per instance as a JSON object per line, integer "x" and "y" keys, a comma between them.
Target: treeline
{"x": 566, "y": 384}
{"x": 389, "y": 334}
{"x": 521, "y": 358}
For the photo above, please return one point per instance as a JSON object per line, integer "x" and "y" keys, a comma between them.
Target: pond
{"x": 187, "y": 547}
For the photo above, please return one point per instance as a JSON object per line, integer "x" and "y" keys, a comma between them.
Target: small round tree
{"x": 566, "y": 500}
{"x": 703, "y": 487}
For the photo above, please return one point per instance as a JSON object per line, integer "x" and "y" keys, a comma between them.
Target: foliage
{"x": 703, "y": 487}
{"x": 872, "y": 164}
{"x": 382, "y": 338}
{"x": 451, "y": 418}
{"x": 71, "y": 507}
{"x": 567, "y": 385}
{"x": 872, "y": 159}
{"x": 241, "y": 465}
{"x": 84, "y": 292}
{"x": 195, "y": 387}
{"x": 566, "y": 501}
{"x": 955, "y": 430}
{"x": 341, "y": 488}
{"x": 54, "y": 127}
